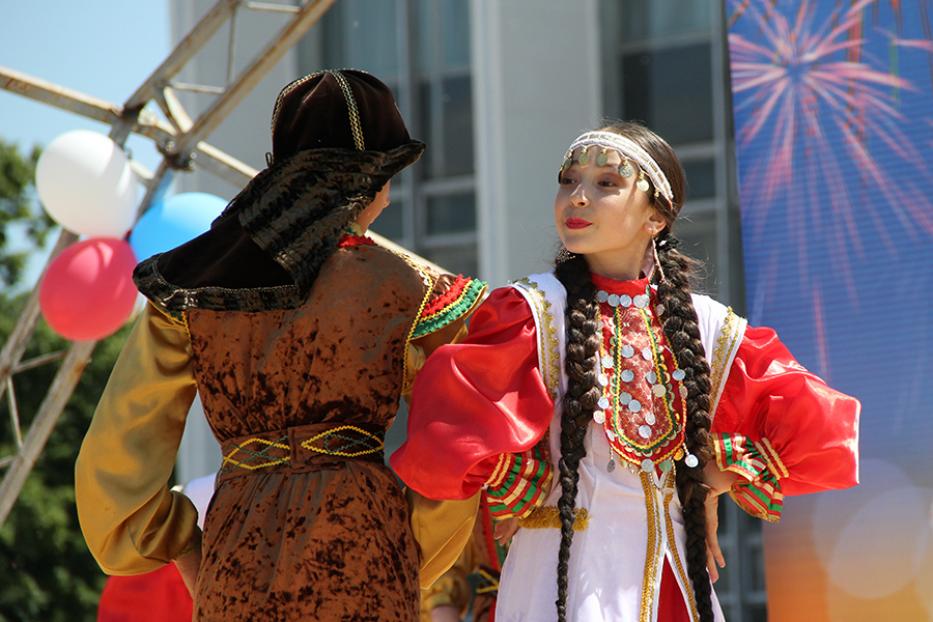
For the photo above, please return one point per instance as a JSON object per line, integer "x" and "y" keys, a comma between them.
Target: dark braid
{"x": 583, "y": 335}
{"x": 683, "y": 335}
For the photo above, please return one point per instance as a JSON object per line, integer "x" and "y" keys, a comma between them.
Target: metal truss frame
{"x": 181, "y": 140}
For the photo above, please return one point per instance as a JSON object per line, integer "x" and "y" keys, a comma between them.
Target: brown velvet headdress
{"x": 346, "y": 109}
{"x": 337, "y": 138}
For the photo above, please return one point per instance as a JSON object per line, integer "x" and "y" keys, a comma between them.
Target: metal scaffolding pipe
{"x": 55, "y": 399}
{"x": 223, "y": 105}
{"x": 183, "y": 52}
{"x": 58, "y": 96}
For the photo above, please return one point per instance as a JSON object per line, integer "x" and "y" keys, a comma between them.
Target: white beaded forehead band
{"x": 629, "y": 150}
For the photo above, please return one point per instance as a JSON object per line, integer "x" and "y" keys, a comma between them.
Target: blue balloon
{"x": 173, "y": 221}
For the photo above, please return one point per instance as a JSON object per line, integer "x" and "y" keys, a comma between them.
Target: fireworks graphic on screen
{"x": 816, "y": 106}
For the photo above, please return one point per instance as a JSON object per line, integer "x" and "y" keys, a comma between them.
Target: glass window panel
{"x": 753, "y": 577}
{"x": 451, "y": 152}
{"x": 701, "y": 178}
{"x": 362, "y": 34}
{"x": 724, "y": 585}
{"x": 671, "y": 90}
{"x": 457, "y": 104}
{"x": 443, "y": 35}
{"x": 455, "y": 22}
{"x": 391, "y": 221}
{"x": 455, "y": 259}
{"x": 643, "y": 20}
{"x": 725, "y": 515}
{"x": 433, "y": 157}
{"x": 452, "y": 213}
{"x": 697, "y": 233}
{"x": 756, "y": 613}
{"x": 427, "y": 36}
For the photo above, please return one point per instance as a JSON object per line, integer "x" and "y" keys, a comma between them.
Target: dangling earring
{"x": 657, "y": 260}
{"x": 563, "y": 255}
{"x": 642, "y": 183}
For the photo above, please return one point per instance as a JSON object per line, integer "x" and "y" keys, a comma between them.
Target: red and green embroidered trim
{"x": 449, "y": 306}
{"x": 526, "y": 482}
{"x": 759, "y": 493}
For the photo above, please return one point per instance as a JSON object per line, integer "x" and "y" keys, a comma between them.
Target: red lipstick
{"x": 577, "y": 223}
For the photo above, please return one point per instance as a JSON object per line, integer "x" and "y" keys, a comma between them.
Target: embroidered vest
{"x": 721, "y": 332}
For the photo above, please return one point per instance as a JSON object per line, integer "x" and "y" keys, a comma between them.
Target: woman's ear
{"x": 655, "y": 223}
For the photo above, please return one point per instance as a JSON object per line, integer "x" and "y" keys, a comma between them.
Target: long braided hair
{"x": 681, "y": 329}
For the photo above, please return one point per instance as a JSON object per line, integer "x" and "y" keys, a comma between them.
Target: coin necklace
{"x": 637, "y": 433}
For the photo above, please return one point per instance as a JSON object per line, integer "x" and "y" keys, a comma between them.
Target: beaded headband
{"x": 629, "y": 150}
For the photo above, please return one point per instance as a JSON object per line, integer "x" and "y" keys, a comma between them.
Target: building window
{"x": 421, "y": 49}
{"x": 665, "y": 65}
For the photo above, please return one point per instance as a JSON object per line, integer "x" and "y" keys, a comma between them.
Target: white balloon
{"x": 85, "y": 182}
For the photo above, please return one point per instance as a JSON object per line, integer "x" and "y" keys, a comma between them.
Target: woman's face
{"x": 597, "y": 211}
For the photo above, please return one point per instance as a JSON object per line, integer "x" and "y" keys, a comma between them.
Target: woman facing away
{"x": 299, "y": 334}
{"x": 638, "y": 400}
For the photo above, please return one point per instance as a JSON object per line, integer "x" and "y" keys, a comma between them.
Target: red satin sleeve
{"x": 475, "y": 400}
{"x": 808, "y": 430}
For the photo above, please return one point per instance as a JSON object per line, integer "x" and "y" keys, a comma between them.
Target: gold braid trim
{"x": 492, "y": 582}
{"x": 229, "y": 458}
{"x": 498, "y": 474}
{"x": 725, "y": 342}
{"x": 548, "y": 517}
{"x": 356, "y": 127}
{"x": 771, "y": 456}
{"x": 379, "y": 444}
{"x": 548, "y": 344}
{"x": 672, "y": 543}
{"x": 651, "y": 551}
{"x": 291, "y": 86}
{"x": 407, "y": 376}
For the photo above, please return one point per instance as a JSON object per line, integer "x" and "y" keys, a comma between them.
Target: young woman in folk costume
{"x": 641, "y": 401}
{"x": 299, "y": 334}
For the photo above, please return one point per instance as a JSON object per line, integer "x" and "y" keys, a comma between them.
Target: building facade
{"x": 497, "y": 90}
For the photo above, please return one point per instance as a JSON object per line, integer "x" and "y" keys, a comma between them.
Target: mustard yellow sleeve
{"x": 131, "y": 521}
{"x": 442, "y": 530}
{"x": 453, "y": 587}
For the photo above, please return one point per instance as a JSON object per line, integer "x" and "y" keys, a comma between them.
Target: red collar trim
{"x": 349, "y": 241}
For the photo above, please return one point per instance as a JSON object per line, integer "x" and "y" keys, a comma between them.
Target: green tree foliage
{"x": 18, "y": 209}
{"x": 46, "y": 571}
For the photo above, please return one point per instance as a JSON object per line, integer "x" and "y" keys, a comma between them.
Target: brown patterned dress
{"x": 318, "y": 537}
{"x": 306, "y": 523}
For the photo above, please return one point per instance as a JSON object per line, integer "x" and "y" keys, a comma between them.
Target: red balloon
{"x": 87, "y": 292}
